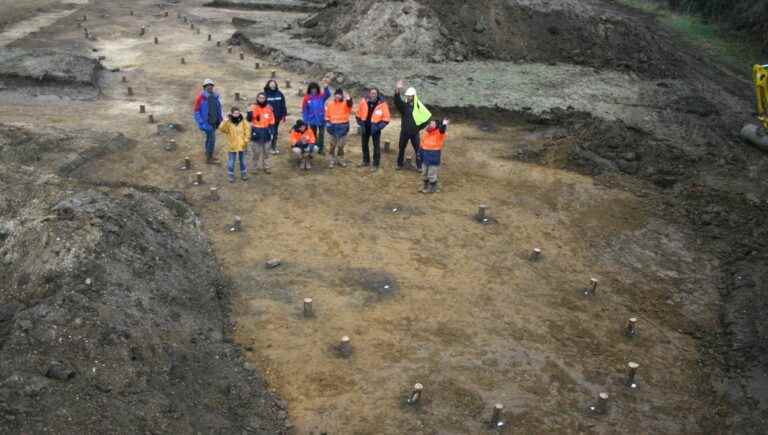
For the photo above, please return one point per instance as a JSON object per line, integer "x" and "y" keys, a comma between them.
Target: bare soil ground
{"x": 425, "y": 292}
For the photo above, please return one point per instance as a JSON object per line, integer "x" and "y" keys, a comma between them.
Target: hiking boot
{"x": 342, "y": 163}
{"x": 244, "y": 176}
{"x": 267, "y": 171}
{"x": 331, "y": 164}
{"x": 399, "y": 168}
{"x": 374, "y": 168}
{"x": 432, "y": 187}
{"x": 307, "y": 165}
{"x": 210, "y": 161}
{"x": 363, "y": 165}
{"x": 231, "y": 178}
{"x": 425, "y": 187}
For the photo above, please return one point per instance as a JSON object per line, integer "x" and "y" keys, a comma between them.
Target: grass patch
{"x": 732, "y": 49}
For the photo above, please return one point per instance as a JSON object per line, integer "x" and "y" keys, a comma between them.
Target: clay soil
{"x": 425, "y": 292}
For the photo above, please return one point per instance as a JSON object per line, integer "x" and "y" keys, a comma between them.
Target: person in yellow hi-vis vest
{"x": 415, "y": 117}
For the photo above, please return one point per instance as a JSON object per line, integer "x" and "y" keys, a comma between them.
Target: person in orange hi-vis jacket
{"x": 262, "y": 119}
{"x": 431, "y": 150}
{"x": 372, "y": 116}
{"x": 303, "y": 144}
{"x": 337, "y": 123}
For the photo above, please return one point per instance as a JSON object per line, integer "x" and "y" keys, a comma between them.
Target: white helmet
{"x": 207, "y": 82}
{"x": 410, "y": 92}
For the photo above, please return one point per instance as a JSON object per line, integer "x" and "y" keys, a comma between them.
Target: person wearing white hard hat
{"x": 414, "y": 118}
{"x": 208, "y": 117}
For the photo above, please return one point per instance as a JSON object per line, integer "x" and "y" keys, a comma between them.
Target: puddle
{"x": 26, "y": 27}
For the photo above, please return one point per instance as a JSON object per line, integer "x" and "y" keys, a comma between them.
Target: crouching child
{"x": 431, "y": 149}
{"x": 238, "y": 134}
{"x": 337, "y": 123}
{"x": 303, "y": 144}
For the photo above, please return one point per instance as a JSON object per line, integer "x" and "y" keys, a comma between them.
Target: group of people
{"x": 259, "y": 127}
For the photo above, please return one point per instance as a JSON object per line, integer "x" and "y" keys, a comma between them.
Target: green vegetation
{"x": 735, "y": 48}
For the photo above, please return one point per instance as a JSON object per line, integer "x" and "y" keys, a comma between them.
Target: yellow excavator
{"x": 758, "y": 134}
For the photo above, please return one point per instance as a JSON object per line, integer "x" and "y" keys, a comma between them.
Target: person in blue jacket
{"x": 313, "y": 111}
{"x": 276, "y": 99}
{"x": 208, "y": 116}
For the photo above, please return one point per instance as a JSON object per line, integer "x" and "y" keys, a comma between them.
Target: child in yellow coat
{"x": 238, "y": 134}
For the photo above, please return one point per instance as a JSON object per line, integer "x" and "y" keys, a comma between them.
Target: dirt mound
{"x": 63, "y": 151}
{"x": 48, "y": 65}
{"x": 259, "y": 5}
{"x": 591, "y": 33}
{"x": 113, "y": 317}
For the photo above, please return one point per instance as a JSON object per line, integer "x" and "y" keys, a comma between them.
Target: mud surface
{"x": 620, "y": 173}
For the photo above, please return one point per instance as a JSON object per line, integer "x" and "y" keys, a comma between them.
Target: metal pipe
{"x": 142, "y": 109}
{"x": 187, "y": 164}
{"x": 256, "y": 65}
{"x": 242, "y": 56}
{"x": 156, "y": 40}
{"x": 151, "y": 118}
{"x": 130, "y": 91}
{"x": 237, "y": 225}
{"x": 198, "y": 179}
{"x": 535, "y": 254}
{"x": 214, "y": 195}
{"x": 756, "y": 135}
{"x": 183, "y": 61}
{"x": 287, "y": 84}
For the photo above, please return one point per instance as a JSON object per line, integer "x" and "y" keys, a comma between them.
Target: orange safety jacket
{"x": 432, "y": 140}
{"x": 307, "y": 137}
{"x": 380, "y": 112}
{"x": 261, "y": 117}
{"x": 337, "y": 112}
